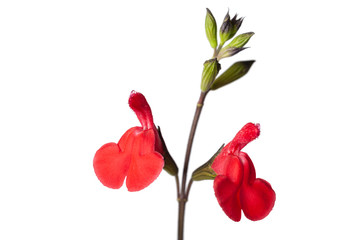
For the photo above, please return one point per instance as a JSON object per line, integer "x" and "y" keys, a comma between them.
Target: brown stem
{"x": 183, "y": 193}
{"x": 199, "y": 107}
{"x": 188, "y": 189}
{"x": 181, "y": 219}
{"x": 177, "y": 186}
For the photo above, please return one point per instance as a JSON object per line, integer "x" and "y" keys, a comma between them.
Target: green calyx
{"x": 235, "y": 46}
{"x": 205, "y": 171}
{"x": 170, "y": 166}
{"x": 210, "y": 28}
{"x": 229, "y": 52}
{"x": 233, "y": 73}
{"x": 229, "y": 28}
{"x": 240, "y": 40}
{"x": 210, "y": 71}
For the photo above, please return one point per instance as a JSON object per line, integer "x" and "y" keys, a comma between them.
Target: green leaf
{"x": 233, "y": 73}
{"x": 210, "y": 28}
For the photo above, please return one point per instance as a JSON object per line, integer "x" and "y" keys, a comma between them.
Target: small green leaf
{"x": 233, "y": 73}
{"x": 210, "y": 28}
{"x": 210, "y": 71}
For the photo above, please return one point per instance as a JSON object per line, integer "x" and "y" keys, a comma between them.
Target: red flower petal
{"x": 227, "y": 194}
{"x": 227, "y": 184}
{"x": 111, "y": 165}
{"x": 246, "y": 134}
{"x": 146, "y": 164}
{"x": 140, "y": 106}
{"x": 229, "y": 166}
{"x": 249, "y": 169}
{"x": 256, "y": 195}
{"x": 257, "y": 200}
{"x": 126, "y": 141}
{"x": 134, "y": 156}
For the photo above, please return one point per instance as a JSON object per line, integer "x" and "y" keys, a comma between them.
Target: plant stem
{"x": 217, "y": 50}
{"x": 181, "y": 219}
{"x": 177, "y": 186}
{"x": 183, "y": 193}
{"x": 188, "y": 189}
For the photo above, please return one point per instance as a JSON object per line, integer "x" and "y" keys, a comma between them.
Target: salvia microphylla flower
{"x": 137, "y": 155}
{"x": 236, "y": 186}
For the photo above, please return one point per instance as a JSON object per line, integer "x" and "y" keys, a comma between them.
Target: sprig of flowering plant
{"x": 141, "y": 153}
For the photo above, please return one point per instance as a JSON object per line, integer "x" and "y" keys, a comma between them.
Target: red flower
{"x": 137, "y": 155}
{"x": 236, "y": 186}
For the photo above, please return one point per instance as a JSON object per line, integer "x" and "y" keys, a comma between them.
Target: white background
{"x": 67, "y": 69}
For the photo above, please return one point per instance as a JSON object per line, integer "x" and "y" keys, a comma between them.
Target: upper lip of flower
{"x": 140, "y": 106}
{"x": 247, "y": 134}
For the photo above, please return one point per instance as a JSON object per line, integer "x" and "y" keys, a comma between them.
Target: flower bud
{"x": 236, "y": 25}
{"x": 233, "y": 73}
{"x": 210, "y": 28}
{"x": 229, "y": 28}
{"x": 205, "y": 171}
{"x": 211, "y": 69}
{"x": 225, "y": 29}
